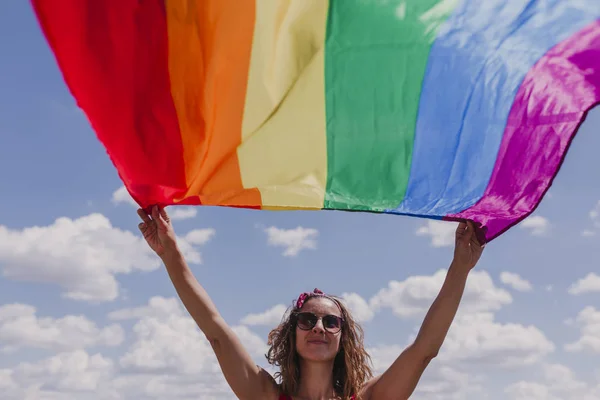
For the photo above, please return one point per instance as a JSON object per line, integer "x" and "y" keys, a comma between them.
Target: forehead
{"x": 321, "y": 306}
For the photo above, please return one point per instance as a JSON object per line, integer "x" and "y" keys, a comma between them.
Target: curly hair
{"x": 351, "y": 367}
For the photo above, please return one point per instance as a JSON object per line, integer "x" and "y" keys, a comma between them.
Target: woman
{"x": 318, "y": 347}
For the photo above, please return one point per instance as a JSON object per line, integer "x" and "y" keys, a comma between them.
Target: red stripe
{"x": 114, "y": 58}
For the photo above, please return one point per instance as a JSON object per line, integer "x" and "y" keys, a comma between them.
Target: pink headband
{"x": 304, "y": 296}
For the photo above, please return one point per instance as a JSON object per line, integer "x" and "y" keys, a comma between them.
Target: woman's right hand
{"x": 158, "y": 232}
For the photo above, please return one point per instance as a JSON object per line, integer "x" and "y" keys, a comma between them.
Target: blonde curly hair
{"x": 352, "y": 365}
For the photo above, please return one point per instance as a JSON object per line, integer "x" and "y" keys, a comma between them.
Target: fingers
{"x": 144, "y": 230}
{"x": 143, "y": 215}
{"x": 142, "y": 225}
{"x": 155, "y": 213}
{"x": 477, "y": 236}
{"x": 471, "y": 229}
{"x": 466, "y": 226}
{"x": 163, "y": 214}
{"x": 461, "y": 230}
{"x": 466, "y": 231}
{"x": 158, "y": 215}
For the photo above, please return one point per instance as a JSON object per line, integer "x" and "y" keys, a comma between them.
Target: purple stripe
{"x": 549, "y": 107}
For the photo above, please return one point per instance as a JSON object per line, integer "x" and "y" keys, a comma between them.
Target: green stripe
{"x": 375, "y": 59}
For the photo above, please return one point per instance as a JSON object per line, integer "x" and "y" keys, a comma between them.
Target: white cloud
{"x": 358, "y": 306}
{"x": 477, "y": 339}
{"x": 159, "y": 307}
{"x": 595, "y": 215}
{"x": 515, "y": 281}
{"x": 179, "y": 213}
{"x": 383, "y": 356}
{"x": 171, "y": 357}
{"x": 591, "y": 283}
{"x": 168, "y": 345}
{"x": 292, "y": 240}
{"x": 524, "y": 390}
{"x": 82, "y": 255}
{"x": 272, "y": 317}
{"x": 168, "y": 340}
{"x": 595, "y": 219}
{"x": 6, "y": 380}
{"x": 168, "y": 357}
{"x": 537, "y": 225}
{"x": 475, "y": 346}
{"x": 20, "y": 327}
{"x": 440, "y": 381}
{"x": 414, "y": 296}
{"x": 442, "y": 233}
{"x": 66, "y": 372}
{"x": 556, "y": 382}
{"x": 121, "y": 195}
{"x": 562, "y": 378}
{"x": 588, "y": 320}
{"x": 199, "y": 237}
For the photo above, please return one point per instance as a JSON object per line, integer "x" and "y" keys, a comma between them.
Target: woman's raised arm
{"x": 401, "y": 378}
{"x": 247, "y": 380}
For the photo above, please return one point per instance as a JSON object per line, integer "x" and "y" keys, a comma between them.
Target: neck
{"x": 316, "y": 381}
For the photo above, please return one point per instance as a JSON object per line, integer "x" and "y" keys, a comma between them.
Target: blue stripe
{"x": 475, "y": 68}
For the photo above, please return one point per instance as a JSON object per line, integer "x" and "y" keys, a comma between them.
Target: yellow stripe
{"x": 284, "y": 143}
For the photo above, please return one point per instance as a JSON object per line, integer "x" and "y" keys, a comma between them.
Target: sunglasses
{"x": 307, "y": 320}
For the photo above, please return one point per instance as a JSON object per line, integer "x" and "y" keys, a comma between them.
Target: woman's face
{"x": 319, "y": 344}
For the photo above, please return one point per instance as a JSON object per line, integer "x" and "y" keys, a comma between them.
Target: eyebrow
{"x": 323, "y": 314}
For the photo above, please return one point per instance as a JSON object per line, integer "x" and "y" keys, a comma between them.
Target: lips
{"x": 317, "y": 342}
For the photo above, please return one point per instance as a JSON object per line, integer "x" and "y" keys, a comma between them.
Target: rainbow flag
{"x": 444, "y": 109}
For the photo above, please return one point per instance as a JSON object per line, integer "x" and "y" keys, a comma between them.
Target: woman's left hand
{"x": 467, "y": 250}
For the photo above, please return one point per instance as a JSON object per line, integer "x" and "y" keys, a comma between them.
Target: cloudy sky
{"x": 87, "y": 311}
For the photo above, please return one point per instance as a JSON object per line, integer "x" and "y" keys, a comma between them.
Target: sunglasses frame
{"x": 333, "y": 331}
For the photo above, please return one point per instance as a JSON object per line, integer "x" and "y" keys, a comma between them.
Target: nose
{"x": 319, "y": 326}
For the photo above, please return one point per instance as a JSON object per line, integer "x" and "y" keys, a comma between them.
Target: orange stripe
{"x": 210, "y": 44}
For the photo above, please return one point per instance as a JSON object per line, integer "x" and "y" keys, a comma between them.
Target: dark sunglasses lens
{"x": 306, "y": 320}
{"x": 331, "y": 322}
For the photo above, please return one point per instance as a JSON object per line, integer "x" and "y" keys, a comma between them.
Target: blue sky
{"x": 76, "y": 315}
